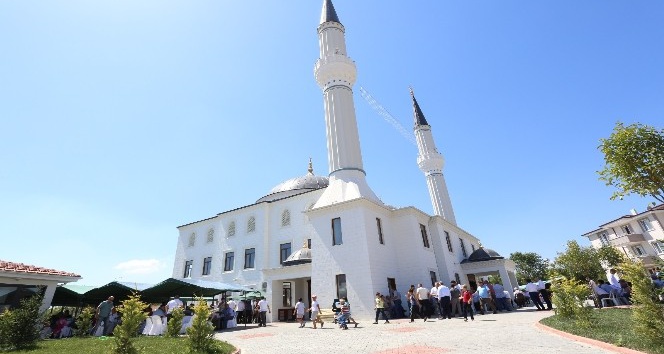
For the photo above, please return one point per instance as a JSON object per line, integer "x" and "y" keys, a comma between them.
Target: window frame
{"x": 463, "y": 248}
{"x": 603, "y": 238}
{"x": 229, "y": 262}
{"x": 337, "y": 237}
{"x": 250, "y": 254}
{"x": 188, "y": 268}
{"x": 282, "y": 255}
{"x": 207, "y": 266}
{"x": 449, "y": 241}
{"x": 425, "y": 236}
{"x": 657, "y": 246}
{"x": 379, "y": 225}
{"x": 645, "y": 224}
{"x": 342, "y": 291}
{"x": 433, "y": 277}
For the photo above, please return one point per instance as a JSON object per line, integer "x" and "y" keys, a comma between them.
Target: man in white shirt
{"x": 433, "y": 297}
{"x": 444, "y": 301}
{"x": 542, "y": 288}
{"x": 614, "y": 280}
{"x": 172, "y": 305}
{"x": 422, "y": 296}
{"x": 263, "y": 309}
{"x": 533, "y": 291}
{"x": 315, "y": 312}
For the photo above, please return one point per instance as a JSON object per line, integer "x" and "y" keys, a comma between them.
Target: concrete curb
{"x": 593, "y": 342}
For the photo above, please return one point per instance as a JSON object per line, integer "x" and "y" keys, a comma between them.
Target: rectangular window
{"x": 284, "y": 251}
{"x": 207, "y": 265}
{"x": 309, "y": 243}
{"x": 380, "y": 232}
{"x": 341, "y": 286}
{"x": 604, "y": 238}
{"x": 457, "y": 277}
{"x": 638, "y": 250}
{"x": 657, "y": 246}
{"x": 188, "y": 265}
{"x": 646, "y": 225}
{"x": 626, "y": 229}
{"x": 473, "y": 247}
{"x": 449, "y": 242}
{"x": 249, "y": 257}
{"x": 425, "y": 237}
{"x": 229, "y": 261}
{"x": 336, "y": 232}
{"x": 433, "y": 277}
{"x": 463, "y": 248}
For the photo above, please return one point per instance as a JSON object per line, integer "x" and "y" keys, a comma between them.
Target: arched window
{"x": 231, "y": 229}
{"x": 192, "y": 239}
{"x": 285, "y": 218}
{"x": 210, "y": 235}
{"x": 251, "y": 224}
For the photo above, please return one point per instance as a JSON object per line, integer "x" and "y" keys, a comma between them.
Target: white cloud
{"x": 140, "y": 266}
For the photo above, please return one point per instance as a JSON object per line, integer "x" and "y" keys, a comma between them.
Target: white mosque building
{"x": 332, "y": 236}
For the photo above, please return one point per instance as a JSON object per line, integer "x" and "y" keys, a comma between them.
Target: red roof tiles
{"x": 31, "y": 269}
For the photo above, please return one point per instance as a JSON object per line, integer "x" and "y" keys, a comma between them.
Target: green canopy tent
{"x": 119, "y": 290}
{"x": 186, "y": 288}
{"x": 70, "y": 295}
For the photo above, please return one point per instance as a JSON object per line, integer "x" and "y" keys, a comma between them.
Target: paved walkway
{"x": 511, "y": 332}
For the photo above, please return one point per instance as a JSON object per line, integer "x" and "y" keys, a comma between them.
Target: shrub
{"x": 84, "y": 322}
{"x": 132, "y": 316}
{"x": 647, "y": 315}
{"x": 569, "y": 298}
{"x": 20, "y": 327}
{"x": 201, "y": 331}
{"x": 175, "y": 323}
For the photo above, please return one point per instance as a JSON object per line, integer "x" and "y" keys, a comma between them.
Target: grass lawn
{"x": 102, "y": 345}
{"x": 610, "y": 326}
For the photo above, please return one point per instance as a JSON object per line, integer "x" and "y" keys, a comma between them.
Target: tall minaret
{"x": 431, "y": 163}
{"x": 335, "y": 73}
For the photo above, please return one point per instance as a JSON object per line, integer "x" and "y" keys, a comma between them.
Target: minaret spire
{"x": 335, "y": 73}
{"x": 431, "y": 162}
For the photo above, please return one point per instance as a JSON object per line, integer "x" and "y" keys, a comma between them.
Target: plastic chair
{"x": 157, "y": 328}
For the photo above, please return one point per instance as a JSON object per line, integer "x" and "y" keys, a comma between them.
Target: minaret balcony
{"x": 335, "y": 68}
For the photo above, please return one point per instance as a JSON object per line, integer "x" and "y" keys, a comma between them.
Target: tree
{"x": 20, "y": 327}
{"x": 529, "y": 265}
{"x": 132, "y": 316}
{"x": 634, "y": 157}
{"x": 579, "y": 263}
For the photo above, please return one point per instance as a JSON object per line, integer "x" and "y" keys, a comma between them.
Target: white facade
{"x": 359, "y": 245}
{"x": 640, "y": 236}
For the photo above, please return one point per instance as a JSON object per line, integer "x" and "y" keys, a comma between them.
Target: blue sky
{"x": 121, "y": 120}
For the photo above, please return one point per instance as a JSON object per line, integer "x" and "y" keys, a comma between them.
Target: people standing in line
{"x": 531, "y": 289}
{"x": 315, "y": 312}
{"x": 444, "y": 301}
{"x": 467, "y": 303}
{"x": 486, "y": 301}
{"x": 263, "y": 309}
{"x": 172, "y": 305}
{"x": 102, "y": 314}
{"x": 380, "y": 308}
{"x": 422, "y": 296}
{"x": 455, "y": 294}
{"x": 541, "y": 287}
{"x": 299, "y": 312}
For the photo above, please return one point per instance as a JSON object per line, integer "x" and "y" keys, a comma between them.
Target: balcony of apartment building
{"x": 627, "y": 240}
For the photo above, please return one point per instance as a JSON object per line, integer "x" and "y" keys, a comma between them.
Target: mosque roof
{"x": 296, "y": 185}
{"x": 417, "y": 112}
{"x": 482, "y": 254}
{"x": 303, "y": 255}
{"x": 328, "y": 14}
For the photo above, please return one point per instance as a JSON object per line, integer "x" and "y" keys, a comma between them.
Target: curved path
{"x": 511, "y": 332}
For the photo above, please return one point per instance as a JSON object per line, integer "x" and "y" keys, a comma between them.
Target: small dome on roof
{"x": 483, "y": 254}
{"x": 296, "y": 185}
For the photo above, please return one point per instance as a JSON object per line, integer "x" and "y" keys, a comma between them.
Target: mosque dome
{"x": 297, "y": 185}
{"x": 482, "y": 254}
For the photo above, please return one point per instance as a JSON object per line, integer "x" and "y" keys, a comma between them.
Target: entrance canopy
{"x": 70, "y": 295}
{"x": 187, "y": 288}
